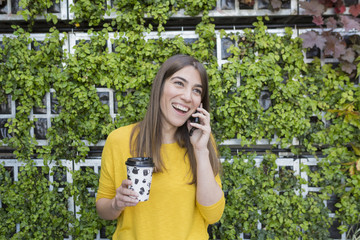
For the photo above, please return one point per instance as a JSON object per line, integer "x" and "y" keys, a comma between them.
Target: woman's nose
{"x": 186, "y": 95}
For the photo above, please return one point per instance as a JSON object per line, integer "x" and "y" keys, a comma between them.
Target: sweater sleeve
{"x": 106, "y": 182}
{"x": 213, "y": 213}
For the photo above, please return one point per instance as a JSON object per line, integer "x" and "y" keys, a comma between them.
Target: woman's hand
{"x": 200, "y": 137}
{"x": 124, "y": 197}
{"x": 208, "y": 191}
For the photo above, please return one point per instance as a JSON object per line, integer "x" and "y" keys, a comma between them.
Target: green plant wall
{"x": 317, "y": 105}
{"x": 255, "y": 196}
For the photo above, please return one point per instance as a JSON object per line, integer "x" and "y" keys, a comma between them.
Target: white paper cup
{"x": 139, "y": 171}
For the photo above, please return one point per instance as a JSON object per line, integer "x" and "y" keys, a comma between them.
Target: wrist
{"x": 201, "y": 151}
{"x": 114, "y": 206}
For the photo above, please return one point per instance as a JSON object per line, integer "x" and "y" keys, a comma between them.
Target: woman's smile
{"x": 180, "y": 107}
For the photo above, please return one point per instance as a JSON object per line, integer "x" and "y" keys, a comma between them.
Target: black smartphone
{"x": 194, "y": 120}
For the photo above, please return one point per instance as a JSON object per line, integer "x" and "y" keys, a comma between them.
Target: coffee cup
{"x": 139, "y": 171}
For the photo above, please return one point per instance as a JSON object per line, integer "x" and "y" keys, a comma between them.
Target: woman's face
{"x": 180, "y": 97}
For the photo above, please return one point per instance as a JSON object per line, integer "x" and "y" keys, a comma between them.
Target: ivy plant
{"x": 265, "y": 90}
{"x": 264, "y": 201}
{"x": 31, "y": 9}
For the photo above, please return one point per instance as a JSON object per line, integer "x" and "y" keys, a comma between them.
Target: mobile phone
{"x": 194, "y": 120}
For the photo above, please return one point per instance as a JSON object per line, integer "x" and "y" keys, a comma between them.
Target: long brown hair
{"x": 146, "y": 137}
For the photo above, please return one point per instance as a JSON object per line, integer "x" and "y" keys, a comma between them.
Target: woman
{"x": 186, "y": 194}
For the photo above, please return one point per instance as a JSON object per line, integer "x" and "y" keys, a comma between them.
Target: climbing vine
{"x": 262, "y": 193}
{"x": 265, "y": 90}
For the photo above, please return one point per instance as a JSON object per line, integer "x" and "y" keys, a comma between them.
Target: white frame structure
{"x": 9, "y": 16}
{"x": 221, "y": 11}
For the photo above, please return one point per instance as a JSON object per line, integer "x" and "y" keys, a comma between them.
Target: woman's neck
{"x": 168, "y": 134}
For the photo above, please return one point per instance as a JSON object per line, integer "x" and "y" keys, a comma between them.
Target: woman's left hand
{"x": 201, "y": 134}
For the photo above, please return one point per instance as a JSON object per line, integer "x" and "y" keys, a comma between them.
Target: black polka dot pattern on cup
{"x": 141, "y": 179}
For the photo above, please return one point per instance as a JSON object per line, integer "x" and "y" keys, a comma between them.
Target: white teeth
{"x": 182, "y": 108}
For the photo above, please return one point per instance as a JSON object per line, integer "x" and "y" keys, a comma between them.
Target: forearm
{"x": 208, "y": 191}
{"x": 106, "y": 210}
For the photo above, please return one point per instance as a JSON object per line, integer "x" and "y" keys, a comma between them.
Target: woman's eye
{"x": 198, "y": 91}
{"x": 179, "y": 83}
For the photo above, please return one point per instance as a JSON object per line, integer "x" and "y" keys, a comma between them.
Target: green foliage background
{"x": 256, "y": 193}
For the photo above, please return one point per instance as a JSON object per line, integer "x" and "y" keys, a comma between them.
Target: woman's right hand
{"x": 125, "y": 197}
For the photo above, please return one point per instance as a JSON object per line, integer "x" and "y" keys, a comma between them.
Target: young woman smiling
{"x": 186, "y": 194}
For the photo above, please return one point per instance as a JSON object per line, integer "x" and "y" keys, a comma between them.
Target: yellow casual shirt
{"x": 172, "y": 211}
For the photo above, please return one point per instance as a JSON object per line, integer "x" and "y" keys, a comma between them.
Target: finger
{"x": 128, "y": 200}
{"x": 127, "y": 195}
{"x": 203, "y": 112}
{"x": 126, "y": 183}
{"x": 188, "y": 124}
{"x": 204, "y": 118}
{"x": 125, "y": 190}
{"x": 129, "y": 192}
{"x": 203, "y": 128}
{"x": 124, "y": 201}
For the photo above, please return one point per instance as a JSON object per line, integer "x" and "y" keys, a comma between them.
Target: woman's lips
{"x": 180, "y": 107}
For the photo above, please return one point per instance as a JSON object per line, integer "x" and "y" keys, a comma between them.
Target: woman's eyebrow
{"x": 184, "y": 80}
{"x": 180, "y": 78}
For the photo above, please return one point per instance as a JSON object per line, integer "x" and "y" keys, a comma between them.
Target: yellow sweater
{"x": 172, "y": 211}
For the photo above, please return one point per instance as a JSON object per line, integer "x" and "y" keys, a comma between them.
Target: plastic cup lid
{"x": 140, "y": 162}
